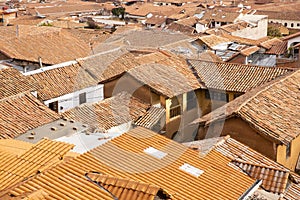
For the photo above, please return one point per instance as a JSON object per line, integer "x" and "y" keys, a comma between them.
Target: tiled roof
{"x": 229, "y": 28}
{"x": 146, "y": 8}
{"x": 273, "y": 175}
{"x": 39, "y": 157}
{"x": 68, "y": 8}
{"x": 21, "y": 113}
{"x": 12, "y": 82}
{"x": 119, "y": 109}
{"x": 269, "y": 43}
{"x": 212, "y": 40}
{"x": 151, "y": 117}
{"x": 31, "y": 43}
{"x": 234, "y": 77}
{"x": 156, "y": 19}
{"x": 297, "y": 34}
{"x": 190, "y": 21}
{"x": 250, "y": 50}
{"x": 292, "y": 192}
{"x": 271, "y": 110}
{"x": 125, "y": 189}
{"x": 209, "y": 56}
{"x": 57, "y": 81}
{"x": 278, "y": 48}
{"x": 181, "y": 28}
{"x": 241, "y": 40}
{"x": 166, "y": 76}
{"x": 287, "y": 15}
{"x": 221, "y": 16}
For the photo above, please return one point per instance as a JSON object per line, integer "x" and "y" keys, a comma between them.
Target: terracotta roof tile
{"x": 250, "y": 50}
{"x": 278, "y": 48}
{"x": 213, "y": 40}
{"x": 30, "y": 113}
{"x": 241, "y": 40}
{"x": 58, "y": 81}
{"x": 12, "y": 82}
{"x": 151, "y": 117}
{"x": 220, "y": 16}
{"x": 234, "y": 77}
{"x": 266, "y": 109}
{"x": 108, "y": 113}
{"x": 287, "y": 15}
{"x": 269, "y": 43}
{"x": 31, "y": 43}
{"x": 156, "y": 19}
{"x": 297, "y": 34}
{"x": 14, "y": 147}
{"x": 166, "y": 76}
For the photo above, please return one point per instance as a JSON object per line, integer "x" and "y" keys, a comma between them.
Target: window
{"x": 82, "y": 98}
{"x": 288, "y": 150}
{"x": 236, "y": 95}
{"x": 298, "y": 24}
{"x": 285, "y": 24}
{"x": 175, "y": 108}
{"x": 292, "y": 24}
{"x": 217, "y": 96}
{"x": 54, "y": 106}
{"x": 191, "y": 100}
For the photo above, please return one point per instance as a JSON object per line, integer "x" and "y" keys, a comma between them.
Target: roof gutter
{"x": 251, "y": 190}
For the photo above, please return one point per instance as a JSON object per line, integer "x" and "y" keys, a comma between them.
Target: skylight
{"x": 155, "y": 152}
{"x": 191, "y": 170}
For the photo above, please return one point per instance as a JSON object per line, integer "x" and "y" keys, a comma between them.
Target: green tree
{"x": 273, "y": 32}
{"x": 120, "y": 12}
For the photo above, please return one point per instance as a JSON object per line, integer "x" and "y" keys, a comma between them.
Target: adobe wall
{"x": 291, "y": 161}
{"x": 242, "y": 132}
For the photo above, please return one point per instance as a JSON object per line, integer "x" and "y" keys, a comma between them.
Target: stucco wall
{"x": 241, "y": 131}
{"x": 291, "y": 161}
{"x": 254, "y": 32}
{"x": 289, "y": 23}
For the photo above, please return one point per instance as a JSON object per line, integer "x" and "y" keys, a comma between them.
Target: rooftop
{"x": 30, "y": 112}
{"x": 256, "y": 165}
{"x": 265, "y": 109}
{"x": 234, "y": 77}
{"x": 104, "y": 115}
{"x": 30, "y": 43}
{"x": 12, "y": 82}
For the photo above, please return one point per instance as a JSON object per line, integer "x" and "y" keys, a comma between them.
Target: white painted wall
{"x": 255, "y": 32}
{"x": 288, "y": 22}
{"x": 68, "y": 101}
{"x": 201, "y": 28}
{"x": 292, "y": 40}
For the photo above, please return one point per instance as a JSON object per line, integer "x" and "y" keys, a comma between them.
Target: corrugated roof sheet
{"x": 234, "y": 77}
{"x": 130, "y": 162}
{"x": 39, "y": 157}
{"x": 125, "y": 189}
{"x": 272, "y": 110}
{"x": 12, "y": 82}
{"x": 103, "y": 115}
{"x": 21, "y": 113}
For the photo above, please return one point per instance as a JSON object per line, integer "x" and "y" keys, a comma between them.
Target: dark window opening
{"x": 217, "y": 96}
{"x": 191, "y": 100}
{"x": 175, "y": 108}
{"x": 288, "y": 150}
{"x": 54, "y": 106}
{"x": 82, "y": 98}
{"x": 292, "y": 24}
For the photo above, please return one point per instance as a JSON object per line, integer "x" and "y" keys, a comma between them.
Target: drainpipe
{"x": 40, "y": 62}
{"x": 251, "y": 190}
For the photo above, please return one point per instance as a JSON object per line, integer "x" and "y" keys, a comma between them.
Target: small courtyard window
{"x": 288, "y": 150}
{"x": 292, "y": 24}
{"x": 285, "y": 24}
{"x": 175, "y": 108}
